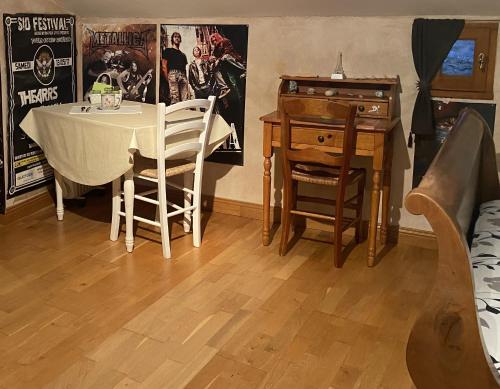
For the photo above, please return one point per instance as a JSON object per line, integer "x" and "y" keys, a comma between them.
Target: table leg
{"x": 386, "y": 193}
{"x": 59, "y": 196}
{"x": 115, "y": 216}
{"x": 372, "y": 230}
{"x": 267, "y": 153}
{"x": 128, "y": 194}
{"x": 267, "y": 201}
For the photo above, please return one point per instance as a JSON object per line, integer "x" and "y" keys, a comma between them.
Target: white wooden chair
{"x": 197, "y": 132}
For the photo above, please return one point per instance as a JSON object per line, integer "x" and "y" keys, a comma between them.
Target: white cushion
{"x": 485, "y": 255}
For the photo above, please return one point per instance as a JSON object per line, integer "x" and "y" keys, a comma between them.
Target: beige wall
{"x": 371, "y": 46}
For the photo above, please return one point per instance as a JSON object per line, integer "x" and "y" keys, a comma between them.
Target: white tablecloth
{"x": 93, "y": 149}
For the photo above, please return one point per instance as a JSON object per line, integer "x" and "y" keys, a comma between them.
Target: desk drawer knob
{"x": 361, "y": 108}
{"x": 321, "y": 138}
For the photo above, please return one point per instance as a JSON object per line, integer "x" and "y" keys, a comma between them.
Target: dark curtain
{"x": 432, "y": 40}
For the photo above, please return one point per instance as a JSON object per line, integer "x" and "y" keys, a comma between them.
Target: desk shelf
{"x": 359, "y": 91}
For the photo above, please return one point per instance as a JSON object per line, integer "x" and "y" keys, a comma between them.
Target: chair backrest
{"x": 194, "y": 130}
{"x": 323, "y": 112}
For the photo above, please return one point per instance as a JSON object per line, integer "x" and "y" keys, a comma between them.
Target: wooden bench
{"x": 446, "y": 347}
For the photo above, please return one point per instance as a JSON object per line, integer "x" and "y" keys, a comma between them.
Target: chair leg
{"x": 188, "y": 183}
{"x": 337, "y": 243}
{"x": 196, "y": 225}
{"x": 196, "y": 220}
{"x": 162, "y": 209}
{"x": 115, "y": 217}
{"x": 337, "y": 233}
{"x": 285, "y": 218}
{"x": 128, "y": 194}
{"x": 157, "y": 214}
{"x": 293, "y": 205}
{"x": 359, "y": 211}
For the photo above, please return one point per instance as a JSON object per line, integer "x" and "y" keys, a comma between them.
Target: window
{"x": 468, "y": 70}
{"x": 460, "y": 59}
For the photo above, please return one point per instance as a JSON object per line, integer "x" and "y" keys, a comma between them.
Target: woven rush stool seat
{"x": 148, "y": 167}
{"x": 323, "y": 175}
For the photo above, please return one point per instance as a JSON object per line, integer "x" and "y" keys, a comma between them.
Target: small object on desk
{"x": 124, "y": 109}
{"x": 379, "y": 93}
{"x": 108, "y": 99}
{"x": 118, "y": 96}
{"x": 338, "y": 74}
{"x": 95, "y": 98}
{"x": 292, "y": 87}
{"x": 331, "y": 92}
{"x": 310, "y": 91}
{"x": 99, "y": 87}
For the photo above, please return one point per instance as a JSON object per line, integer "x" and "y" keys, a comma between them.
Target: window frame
{"x": 480, "y": 84}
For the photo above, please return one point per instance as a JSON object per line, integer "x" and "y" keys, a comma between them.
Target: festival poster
{"x": 2, "y": 165}
{"x": 121, "y": 55}
{"x": 202, "y": 60}
{"x": 41, "y": 59}
{"x": 445, "y": 116}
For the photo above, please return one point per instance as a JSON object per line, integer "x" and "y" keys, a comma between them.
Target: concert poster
{"x": 198, "y": 61}
{"x": 123, "y": 56}
{"x": 41, "y": 57}
{"x": 2, "y": 165}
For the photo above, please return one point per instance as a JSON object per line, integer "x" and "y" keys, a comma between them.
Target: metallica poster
{"x": 121, "y": 55}
{"x": 40, "y": 53}
{"x": 202, "y": 60}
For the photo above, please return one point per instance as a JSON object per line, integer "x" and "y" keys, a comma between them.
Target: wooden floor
{"x": 77, "y": 311}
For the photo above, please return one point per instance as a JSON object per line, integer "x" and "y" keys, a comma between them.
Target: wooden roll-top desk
{"x": 378, "y": 114}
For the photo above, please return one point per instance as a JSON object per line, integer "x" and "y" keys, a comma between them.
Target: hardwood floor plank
{"x": 78, "y": 311}
{"x": 87, "y": 374}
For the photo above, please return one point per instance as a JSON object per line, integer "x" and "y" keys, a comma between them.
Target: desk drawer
{"x": 325, "y": 138}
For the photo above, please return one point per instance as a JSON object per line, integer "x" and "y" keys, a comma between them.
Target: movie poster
{"x": 445, "y": 115}
{"x": 202, "y": 60}
{"x": 121, "y": 55}
{"x": 40, "y": 53}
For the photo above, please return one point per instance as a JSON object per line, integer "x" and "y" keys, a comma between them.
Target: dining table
{"x": 93, "y": 147}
